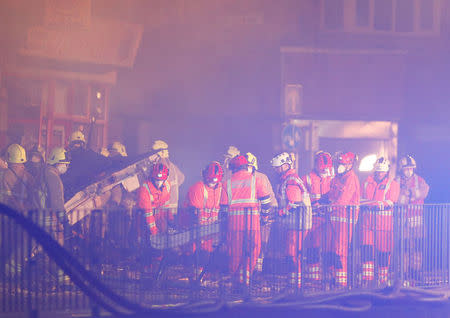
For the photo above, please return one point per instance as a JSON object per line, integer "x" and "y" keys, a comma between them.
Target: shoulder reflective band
{"x": 149, "y": 193}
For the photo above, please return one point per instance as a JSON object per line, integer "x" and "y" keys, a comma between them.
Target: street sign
{"x": 291, "y": 137}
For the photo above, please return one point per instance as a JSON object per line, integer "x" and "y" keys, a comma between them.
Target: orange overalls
{"x": 316, "y": 186}
{"x": 151, "y": 199}
{"x": 207, "y": 202}
{"x": 377, "y": 225}
{"x": 242, "y": 193}
{"x": 344, "y": 192}
{"x": 291, "y": 194}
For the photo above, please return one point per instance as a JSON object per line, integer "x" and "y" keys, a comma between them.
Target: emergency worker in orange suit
{"x": 203, "y": 204}
{"x": 317, "y": 183}
{"x": 244, "y": 198}
{"x": 152, "y": 195}
{"x": 380, "y": 193}
{"x": 344, "y": 197}
{"x": 266, "y": 222}
{"x": 176, "y": 178}
{"x": 413, "y": 192}
{"x": 292, "y": 194}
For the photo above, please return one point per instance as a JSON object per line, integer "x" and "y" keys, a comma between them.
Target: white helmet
{"x": 382, "y": 165}
{"x": 281, "y": 159}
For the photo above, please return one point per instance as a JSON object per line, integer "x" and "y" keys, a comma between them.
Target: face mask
{"x": 341, "y": 169}
{"x": 62, "y": 169}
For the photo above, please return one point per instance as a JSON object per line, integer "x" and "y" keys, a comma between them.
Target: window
{"x": 415, "y": 17}
{"x": 334, "y": 14}
{"x": 362, "y": 13}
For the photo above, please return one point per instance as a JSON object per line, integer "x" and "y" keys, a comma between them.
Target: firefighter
{"x": 85, "y": 167}
{"x": 152, "y": 196}
{"x": 413, "y": 188}
{"x": 344, "y": 197}
{"x": 265, "y": 221}
{"x": 17, "y": 185}
{"x": 244, "y": 198}
{"x": 317, "y": 183}
{"x": 413, "y": 192}
{"x": 57, "y": 164}
{"x": 292, "y": 195}
{"x": 35, "y": 165}
{"x": 202, "y": 205}
{"x": 380, "y": 193}
{"x": 120, "y": 203}
{"x": 176, "y": 177}
{"x": 118, "y": 151}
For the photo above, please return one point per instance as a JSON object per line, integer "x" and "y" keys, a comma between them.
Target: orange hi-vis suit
{"x": 242, "y": 194}
{"x": 206, "y": 201}
{"x": 377, "y": 225}
{"x": 151, "y": 200}
{"x": 344, "y": 191}
{"x": 317, "y": 186}
{"x": 292, "y": 194}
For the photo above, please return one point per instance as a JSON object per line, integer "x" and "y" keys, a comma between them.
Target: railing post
{"x": 353, "y": 244}
{"x": 402, "y": 243}
{"x": 246, "y": 250}
{"x": 31, "y": 312}
{"x": 446, "y": 212}
{"x": 196, "y": 233}
{"x": 297, "y": 264}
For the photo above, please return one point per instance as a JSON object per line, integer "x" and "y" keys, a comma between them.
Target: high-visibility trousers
{"x": 376, "y": 230}
{"x": 295, "y": 242}
{"x": 244, "y": 239}
{"x": 339, "y": 230}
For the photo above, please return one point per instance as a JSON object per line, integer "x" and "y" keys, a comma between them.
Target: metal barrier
{"x": 109, "y": 256}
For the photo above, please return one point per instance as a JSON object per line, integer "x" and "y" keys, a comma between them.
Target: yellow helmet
{"x": 104, "y": 152}
{"x": 77, "y": 136}
{"x": 16, "y": 154}
{"x": 58, "y": 155}
{"x": 160, "y": 145}
{"x": 252, "y": 161}
{"x": 118, "y": 147}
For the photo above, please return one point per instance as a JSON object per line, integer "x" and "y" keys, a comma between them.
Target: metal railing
{"x": 108, "y": 258}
